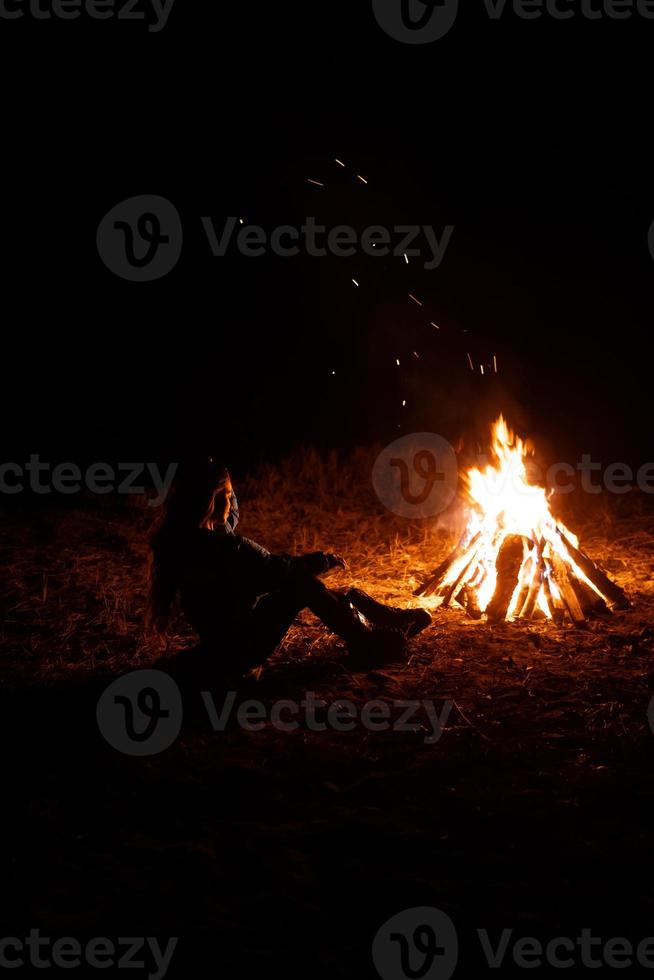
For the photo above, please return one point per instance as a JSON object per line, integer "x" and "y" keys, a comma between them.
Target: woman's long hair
{"x": 188, "y": 505}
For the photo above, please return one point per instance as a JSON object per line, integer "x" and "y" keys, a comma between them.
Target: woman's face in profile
{"x": 221, "y": 504}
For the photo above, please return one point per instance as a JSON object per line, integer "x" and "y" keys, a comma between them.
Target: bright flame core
{"x": 503, "y": 502}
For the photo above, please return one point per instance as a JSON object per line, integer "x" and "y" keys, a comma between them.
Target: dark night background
{"x": 271, "y": 853}
{"x": 531, "y": 138}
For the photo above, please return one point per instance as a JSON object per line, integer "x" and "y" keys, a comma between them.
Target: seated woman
{"x": 240, "y": 599}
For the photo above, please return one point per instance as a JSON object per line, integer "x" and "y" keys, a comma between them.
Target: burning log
{"x": 447, "y": 598}
{"x": 471, "y": 604}
{"x": 528, "y": 607}
{"x": 508, "y": 564}
{"x": 515, "y": 560}
{"x": 552, "y": 599}
{"x": 568, "y": 594}
{"x": 433, "y": 582}
{"x": 602, "y": 582}
{"x": 591, "y": 603}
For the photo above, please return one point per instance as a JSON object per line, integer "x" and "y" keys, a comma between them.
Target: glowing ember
{"x": 515, "y": 559}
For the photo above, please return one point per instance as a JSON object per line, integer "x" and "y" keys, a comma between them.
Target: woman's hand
{"x": 335, "y": 561}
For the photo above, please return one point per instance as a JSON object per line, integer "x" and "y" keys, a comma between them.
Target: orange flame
{"x": 504, "y": 502}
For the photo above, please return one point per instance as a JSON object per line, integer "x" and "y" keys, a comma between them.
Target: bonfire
{"x": 516, "y": 560}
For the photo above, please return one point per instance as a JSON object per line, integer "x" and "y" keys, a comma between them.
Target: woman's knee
{"x": 306, "y": 588}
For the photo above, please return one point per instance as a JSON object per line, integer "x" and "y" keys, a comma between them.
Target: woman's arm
{"x": 264, "y": 572}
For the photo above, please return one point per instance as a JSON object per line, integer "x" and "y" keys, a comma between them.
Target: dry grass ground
{"x": 275, "y": 850}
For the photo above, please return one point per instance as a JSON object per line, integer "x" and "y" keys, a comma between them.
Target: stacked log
{"x": 567, "y": 593}
{"x": 508, "y": 564}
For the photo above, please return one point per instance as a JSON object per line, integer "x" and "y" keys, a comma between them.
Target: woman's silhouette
{"x": 240, "y": 599}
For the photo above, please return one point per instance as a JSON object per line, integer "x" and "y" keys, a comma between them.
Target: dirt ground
{"x": 285, "y": 852}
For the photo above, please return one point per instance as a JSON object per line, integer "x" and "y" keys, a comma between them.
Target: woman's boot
{"x": 369, "y": 645}
{"x": 410, "y": 621}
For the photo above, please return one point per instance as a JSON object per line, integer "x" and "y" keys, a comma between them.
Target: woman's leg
{"x": 412, "y": 621}
{"x": 257, "y": 638}
{"x": 275, "y": 612}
